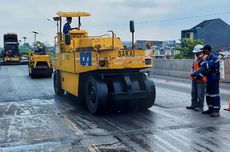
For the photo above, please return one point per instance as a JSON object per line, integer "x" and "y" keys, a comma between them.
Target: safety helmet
{"x": 197, "y": 48}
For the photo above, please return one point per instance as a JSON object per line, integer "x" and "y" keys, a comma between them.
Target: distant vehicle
{"x": 99, "y": 70}
{"x": 10, "y": 52}
{"x": 39, "y": 62}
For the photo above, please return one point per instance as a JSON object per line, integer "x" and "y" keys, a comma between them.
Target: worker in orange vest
{"x": 199, "y": 82}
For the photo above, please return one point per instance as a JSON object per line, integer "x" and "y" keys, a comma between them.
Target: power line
{"x": 167, "y": 20}
{"x": 185, "y": 18}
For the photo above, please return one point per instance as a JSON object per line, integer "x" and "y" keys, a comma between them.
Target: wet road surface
{"x": 32, "y": 118}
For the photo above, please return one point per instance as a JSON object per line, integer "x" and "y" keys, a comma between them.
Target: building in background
{"x": 127, "y": 44}
{"x": 141, "y": 44}
{"x": 161, "y": 49}
{"x": 214, "y": 32}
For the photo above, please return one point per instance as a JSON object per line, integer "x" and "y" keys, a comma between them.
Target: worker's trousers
{"x": 212, "y": 92}
{"x": 198, "y": 92}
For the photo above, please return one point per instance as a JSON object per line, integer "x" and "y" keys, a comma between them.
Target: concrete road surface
{"x": 33, "y": 119}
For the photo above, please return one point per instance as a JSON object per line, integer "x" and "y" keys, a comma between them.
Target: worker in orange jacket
{"x": 198, "y": 83}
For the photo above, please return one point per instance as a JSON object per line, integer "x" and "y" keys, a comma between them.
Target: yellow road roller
{"x": 11, "y": 54}
{"x": 98, "y": 69}
{"x": 39, "y": 63}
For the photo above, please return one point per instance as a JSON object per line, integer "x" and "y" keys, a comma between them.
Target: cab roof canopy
{"x": 73, "y": 14}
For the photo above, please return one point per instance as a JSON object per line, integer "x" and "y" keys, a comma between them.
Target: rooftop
{"x": 204, "y": 23}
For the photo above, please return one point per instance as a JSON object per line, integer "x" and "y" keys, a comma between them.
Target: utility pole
{"x": 35, "y": 33}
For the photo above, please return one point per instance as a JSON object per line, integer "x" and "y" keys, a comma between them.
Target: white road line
{"x": 77, "y": 130}
{"x": 162, "y": 147}
{"x": 114, "y": 125}
{"x": 71, "y": 125}
{"x": 176, "y": 138}
{"x": 8, "y": 107}
{"x": 167, "y": 143}
{"x": 182, "y": 137}
{"x": 93, "y": 148}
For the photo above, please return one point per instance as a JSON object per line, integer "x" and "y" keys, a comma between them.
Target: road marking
{"x": 78, "y": 131}
{"x": 162, "y": 147}
{"x": 111, "y": 123}
{"x": 7, "y": 109}
{"x": 93, "y": 148}
{"x": 166, "y": 143}
{"x": 176, "y": 138}
{"x": 180, "y": 136}
{"x": 70, "y": 124}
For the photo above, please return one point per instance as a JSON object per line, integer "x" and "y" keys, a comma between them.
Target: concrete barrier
{"x": 182, "y": 68}
{"x": 227, "y": 70}
{"x": 172, "y": 67}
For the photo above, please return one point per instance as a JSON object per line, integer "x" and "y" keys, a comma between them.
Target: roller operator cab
{"x": 39, "y": 62}
{"x": 99, "y": 70}
{"x": 10, "y": 54}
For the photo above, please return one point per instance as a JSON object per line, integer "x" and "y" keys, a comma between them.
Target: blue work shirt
{"x": 213, "y": 75}
{"x": 66, "y": 28}
{"x": 213, "y": 65}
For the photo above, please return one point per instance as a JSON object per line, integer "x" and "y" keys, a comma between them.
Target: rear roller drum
{"x": 96, "y": 95}
{"x": 151, "y": 91}
{"x": 149, "y": 86}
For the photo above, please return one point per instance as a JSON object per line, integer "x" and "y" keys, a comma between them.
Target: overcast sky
{"x": 154, "y": 19}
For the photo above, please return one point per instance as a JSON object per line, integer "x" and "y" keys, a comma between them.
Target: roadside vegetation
{"x": 186, "y": 48}
{"x": 24, "y": 52}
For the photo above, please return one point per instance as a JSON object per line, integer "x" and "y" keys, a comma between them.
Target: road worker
{"x": 198, "y": 84}
{"x": 211, "y": 67}
{"x": 67, "y": 26}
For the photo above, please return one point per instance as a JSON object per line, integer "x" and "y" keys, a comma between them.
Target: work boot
{"x": 198, "y": 109}
{"x": 209, "y": 111}
{"x": 215, "y": 112}
{"x": 190, "y": 107}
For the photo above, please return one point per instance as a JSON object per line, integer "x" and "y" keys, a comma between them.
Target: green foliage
{"x": 26, "y": 46}
{"x": 179, "y": 56}
{"x": 24, "y": 52}
{"x": 186, "y": 50}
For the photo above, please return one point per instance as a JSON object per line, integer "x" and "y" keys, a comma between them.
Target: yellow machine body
{"x": 101, "y": 59}
{"x": 39, "y": 65}
{"x": 97, "y": 54}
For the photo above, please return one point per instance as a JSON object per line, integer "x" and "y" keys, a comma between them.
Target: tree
{"x": 26, "y": 46}
{"x": 186, "y": 48}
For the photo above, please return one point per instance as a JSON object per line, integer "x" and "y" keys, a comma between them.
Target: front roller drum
{"x": 29, "y": 70}
{"x": 95, "y": 95}
{"x": 57, "y": 84}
